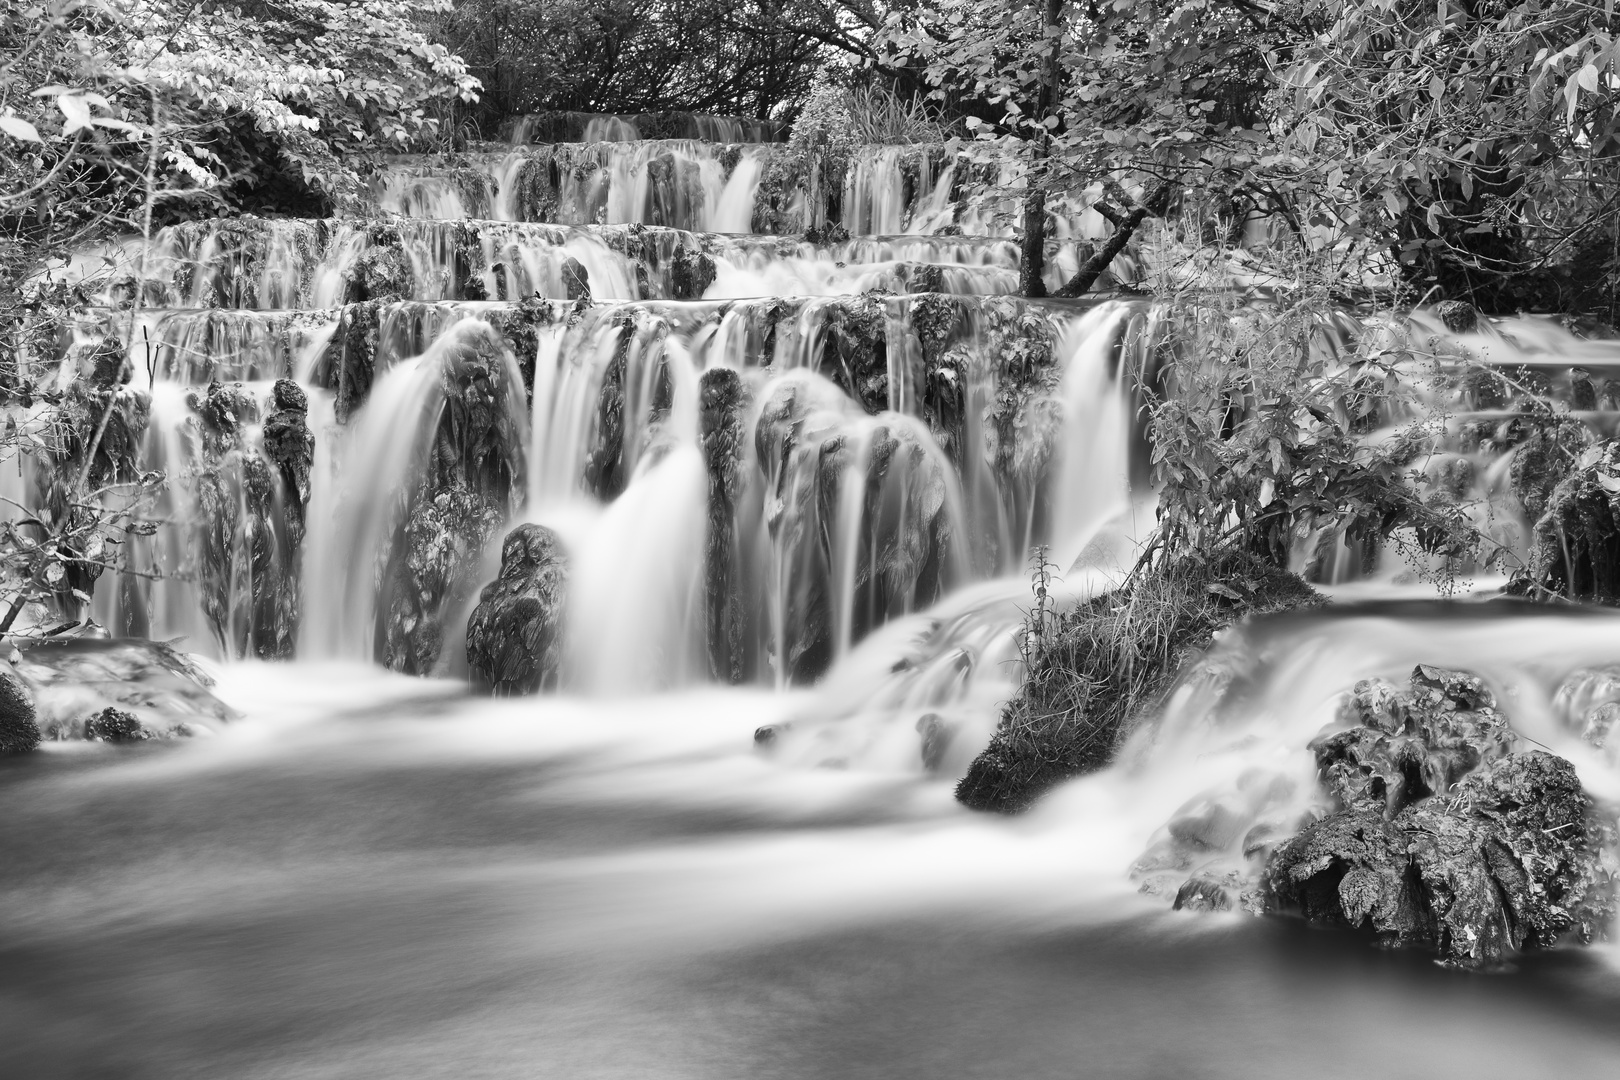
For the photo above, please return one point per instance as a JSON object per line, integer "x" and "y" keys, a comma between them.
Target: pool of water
{"x": 372, "y": 876}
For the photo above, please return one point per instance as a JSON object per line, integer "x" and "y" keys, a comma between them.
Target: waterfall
{"x": 769, "y": 459}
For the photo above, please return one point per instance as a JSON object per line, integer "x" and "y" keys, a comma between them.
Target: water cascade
{"x": 780, "y": 493}
{"x": 770, "y": 459}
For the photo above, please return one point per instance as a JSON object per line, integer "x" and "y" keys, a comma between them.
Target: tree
{"x": 743, "y": 57}
{"x": 1130, "y": 102}
{"x": 1478, "y": 140}
{"x": 116, "y": 115}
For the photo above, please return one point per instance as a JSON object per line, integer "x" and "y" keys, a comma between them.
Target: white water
{"x": 460, "y": 847}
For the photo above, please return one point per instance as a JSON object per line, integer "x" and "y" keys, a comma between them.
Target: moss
{"x": 1107, "y": 663}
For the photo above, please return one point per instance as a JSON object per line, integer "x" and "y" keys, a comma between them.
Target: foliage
{"x": 1273, "y": 419}
{"x": 1478, "y": 140}
{"x": 880, "y": 115}
{"x": 744, "y": 57}
{"x": 116, "y": 115}
{"x": 1126, "y": 101}
{"x": 204, "y": 102}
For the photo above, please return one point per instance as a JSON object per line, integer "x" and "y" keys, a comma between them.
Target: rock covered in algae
{"x": 1441, "y": 838}
{"x": 514, "y": 637}
{"x": 19, "y": 733}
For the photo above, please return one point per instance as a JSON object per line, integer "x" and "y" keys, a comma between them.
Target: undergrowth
{"x": 1092, "y": 672}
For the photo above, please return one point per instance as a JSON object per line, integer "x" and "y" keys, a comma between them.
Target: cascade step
{"x": 285, "y": 263}
{"x": 711, "y": 187}
{"x": 588, "y": 127}
{"x": 886, "y": 351}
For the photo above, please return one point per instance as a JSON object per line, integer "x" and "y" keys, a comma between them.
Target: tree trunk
{"x": 1033, "y": 261}
{"x": 1124, "y": 228}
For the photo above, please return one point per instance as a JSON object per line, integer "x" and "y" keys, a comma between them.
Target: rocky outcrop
{"x": 724, "y": 437}
{"x": 251, "y": 501}
{"x": 470, "y": 483}
{"x": 19, "y": 733}
{"x": 514, "y": 638}
{"x": 691, "y": 274}
{"x": 1440, "y": 837}
{"x": 115, "y": 726}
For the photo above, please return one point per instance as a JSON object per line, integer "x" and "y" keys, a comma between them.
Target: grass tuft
{"x": 1092, "y": 673}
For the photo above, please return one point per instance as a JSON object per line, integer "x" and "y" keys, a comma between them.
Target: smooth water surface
{"x": 372, "y": 876}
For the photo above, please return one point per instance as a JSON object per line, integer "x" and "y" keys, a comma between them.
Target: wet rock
{"x": 1458, "y": 316}
{"x": 765, "y": 736}
{"x": 576, "y": 280}
{"x": 1543, "y": 460}
{"x": 19, "y": 733}
{"x": 1441, "y": 838}
{"x": 115, "y": 726}
{"x": 723, "y": 436}
{"x": 469, "y": 487}
{"x": 1209, "y": 824}
{"x": 77, "y": 680}
{"x": 1582, "y": 394}
{"x": 1576, "y": 508}
{"x": 1407, "y": 745}
{"x": 691, "y": 274}
{"x": 1484, "y": 389}
{"x": 514, "y": 637}
{"x": 289, "y": 443}
{"x": 936, "y": 739}
{"x": 1581, "y": 701}
{"x": 1202, "y": 893}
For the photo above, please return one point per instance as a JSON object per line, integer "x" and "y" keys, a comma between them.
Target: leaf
{"x": 76, "y": 111}
{"x": 1222, "y": 590}
{"x": 1588, "y": 78}
{"x": 53, "y": 572}
{"x": 20, "y": 129}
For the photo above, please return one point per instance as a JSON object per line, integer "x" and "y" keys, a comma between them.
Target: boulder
{"x": 1442, "y": 838}
{"x": 19, "y": 732}
{"x": 514, "y": 637}
{"x": 1458, "y": 316}
{"x": 115, "y": 726}
{"x": 691, "y": 274}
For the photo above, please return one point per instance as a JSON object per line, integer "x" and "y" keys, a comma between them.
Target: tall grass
{"x": 879, "y": 114}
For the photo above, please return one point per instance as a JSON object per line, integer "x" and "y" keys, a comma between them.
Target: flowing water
{"x": 381, "y": 874}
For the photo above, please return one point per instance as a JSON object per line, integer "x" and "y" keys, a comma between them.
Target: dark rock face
{"x": 691, "y": 274}
{"x": 726, "y": 618}
{"x": 1441, "y": 838}
{"x": 115, "y": 726}
{"x": 468, "y": 488}
{"x": 252, "y": 501}
{"x": 19, "y": 733}
{"x": 1458, "y": 316}
{"x": 514, "y": 637}
{"x": 576, "y": 281}
{"x": 903, "y": 558}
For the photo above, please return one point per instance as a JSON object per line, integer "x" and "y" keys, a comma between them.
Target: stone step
{"x": 711, "y": 187}
{"x": 562, "y": 127}
{"x": 887, "y": 351}
{"x": 276, "y": 263}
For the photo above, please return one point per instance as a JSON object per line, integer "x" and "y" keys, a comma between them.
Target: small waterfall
{"x": 429, "y": 472}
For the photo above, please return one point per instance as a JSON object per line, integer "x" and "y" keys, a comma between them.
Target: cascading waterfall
{"x": 770, "y": 460}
